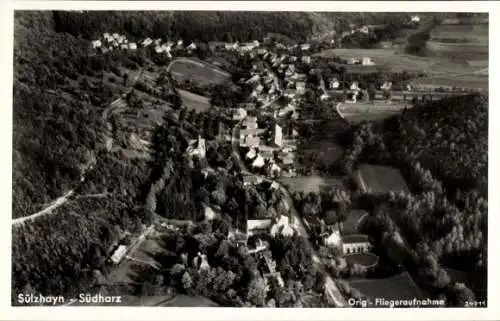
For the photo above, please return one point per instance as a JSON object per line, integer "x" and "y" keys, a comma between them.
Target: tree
{"x": 331, "y": 217}
{"x": 257, "y": 292}
{"x": 387, "y": 95}
{"x": 187, "y": 281}
{"x": 372, "y": 92}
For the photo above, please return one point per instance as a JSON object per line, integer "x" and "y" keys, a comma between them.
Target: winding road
{"x": 63, "y": 199}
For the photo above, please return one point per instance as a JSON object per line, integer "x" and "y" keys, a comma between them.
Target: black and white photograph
{"x": 250, "y": 158}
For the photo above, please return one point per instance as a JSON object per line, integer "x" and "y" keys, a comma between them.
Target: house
{"x": 365, "y": 29}
{"x": 272, "y": 169}
{"x": 386, "y": 85}
{"x": 278, "y": 135}
{"x": 415, "y": 19}
{"x": 354, "y": 86}
{"x": 267, "y": 151}
{"x": 367, "y": 61}
{"x": 132, "y": 46}
{"x": 251, "y": 154}
{"x": 180, "y": 43}
{"x": 306, "y": 59}
{"x": 158, "y": 49}
{"x": 324, "y": 96}
{"x": 334, "y": 83}
{"x": 200, "y": 262}
{"x": 257, "y": 226}
{"x": 124, "y": 46}
{"x": 293, "y": 58}
{"x": 301, "y": 87}
{"x": 252, "y": 180}
{"x": 259, "y": 246}
{"x": 258, "y": 162}
{"x": 357, "y": 243}
{"x": 197, "y": 147}
{"x": 146, "y": 42}
{"x": 282, "y": 226}
{"x": 305, "y": 46}
{"x": 192, "y": 46}
{"x": 239, "y": 114}
{"x": 250, "y": 122}
{"x": 250, "y": 141}
{"x": 262, "y": 51}
{"x": 253, "y": 79}
{"x": 290, "y": 93}
{"x": 333, "y": 239}
{"x": 352, "y": 61}
{"x": 119, "y": 254}
{"x": 259, "y": 89}
{"x": 209, "y": 213}
{"x": 286, "y": 158}
{"x": 96, "y": 44}
{"x": 274, "y": 185}
{"x": 107, "y": 36}
{"x": 251, "y": 132}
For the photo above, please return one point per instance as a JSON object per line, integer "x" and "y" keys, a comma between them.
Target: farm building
{"x": 259, "y": 226}
{"x": 367, "y": 61}
{"x": 119, "y": 254}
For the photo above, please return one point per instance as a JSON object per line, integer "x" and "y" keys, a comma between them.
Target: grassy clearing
{"x": 394, "y": 288}
{"x": 380, "y": 179}
{"x": 356, "y": 113}
{"x": 200, "y": 72}
{"x": 311, "y": 183}
{"x": 351, "y": 224}
{"x": 454, "y": 73}
{"x": 194, "y": 101}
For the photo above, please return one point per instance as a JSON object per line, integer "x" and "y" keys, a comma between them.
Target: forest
{"x": 441, "y": 148}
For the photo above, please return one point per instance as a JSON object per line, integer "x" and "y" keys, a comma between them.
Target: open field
{"x": 365, "y": 259}
{"x": 455, "y": 73}
{"x": 194, "y": 101}
{"x": 380, "y": 179}
{"x": 351, "y": 224}
{"x": 473, "y": 34}
{"x": 393, "y": 288}
{"x": 198, "y": 71}
{"x": 356, "y": 113}
{"x": 478, "y": 80}
{"x": 311, "y": 183}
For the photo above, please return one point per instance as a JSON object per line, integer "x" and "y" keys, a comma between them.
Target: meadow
{"x": 200, "y": 72}
{"x": 380, "y": 179}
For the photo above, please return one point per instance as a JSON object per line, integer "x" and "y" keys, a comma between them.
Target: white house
{"x": 258, "y": 162}
{"x": 282, "y": 226}
{"x": 364, "y": 29}
{"x": 96, "y": 44}
{"x": 250, "y": 122}
{"x": 240, "y": 114}
{"x": 132, "y": 46}
{"x": 124, "y": 46}
{"x": 354, "y": 85}
{"x": 334, "y": 83}
{"x": 415, "y": 19}
{"x": 352, "y": 61}
{"x": 333, "y": 240}
{"x": 192, "y": 46}
{"x": 180, "y": 43}
{"x": 367, "y": 61}
{"x": 386, "y": 85}
{"x": 197, "y": 147}
{"x": 355, "y": 244}
{"x": 278, "y": 135}
{"x": 158, "y": 49}
{"x": 119, "y": 254}
{"x": 252, "y": 153}
{"x": 146, "y": 42}
{"x": 305, "y": 46}
{"x": 306, "y": 59}
{"x": 209, "y": 213}
{"x": 301, "y": 87}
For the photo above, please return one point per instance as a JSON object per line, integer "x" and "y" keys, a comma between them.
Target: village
{"x": 264, "y": 139}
